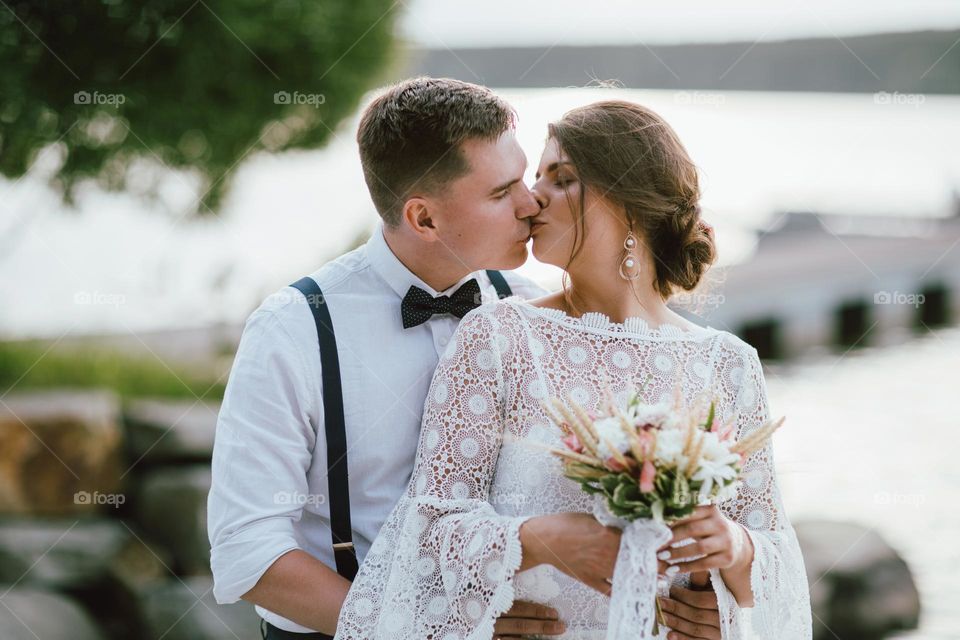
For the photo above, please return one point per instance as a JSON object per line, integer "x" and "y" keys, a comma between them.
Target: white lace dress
{"x": 445, "y": 564}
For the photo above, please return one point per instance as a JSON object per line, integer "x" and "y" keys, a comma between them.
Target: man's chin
{"x": 514, "y": 259}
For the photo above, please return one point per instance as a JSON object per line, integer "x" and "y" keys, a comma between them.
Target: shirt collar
{"x": 396, "y": 274}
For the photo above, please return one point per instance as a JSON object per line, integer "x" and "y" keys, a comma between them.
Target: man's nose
{"x": 529, "y": 204}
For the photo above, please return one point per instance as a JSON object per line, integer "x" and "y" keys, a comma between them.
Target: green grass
{"x": 127, "y": 376}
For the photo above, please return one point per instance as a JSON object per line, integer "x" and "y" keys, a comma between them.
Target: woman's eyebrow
{"x": 553, "y": 166}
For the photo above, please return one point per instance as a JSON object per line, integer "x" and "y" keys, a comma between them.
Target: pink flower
{"x": 573, "y": 443}
{"x": 647, "y": 474}
{"x": 725, "y": 434}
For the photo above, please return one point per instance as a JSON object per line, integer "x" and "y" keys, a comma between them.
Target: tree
{"x": 194, "y": 84}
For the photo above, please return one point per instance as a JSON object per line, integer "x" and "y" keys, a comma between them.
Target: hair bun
{"x": 697, "y": 252}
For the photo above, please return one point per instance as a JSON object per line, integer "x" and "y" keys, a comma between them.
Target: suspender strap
{"x": 335, "y": 428}
{"x": 499, "y": 283}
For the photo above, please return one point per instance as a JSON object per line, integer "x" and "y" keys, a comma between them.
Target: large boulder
{"x": 28, "y": 614}
{"x": 166, "y": 431}
{"x": 186, "y": 610}
{"x": 101, "y": 563}
{"x": 60, "y": 452}
{"x": 859, "y": 586}
{"x": 171, "y": 510}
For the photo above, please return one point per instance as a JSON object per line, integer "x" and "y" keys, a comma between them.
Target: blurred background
{"x": 165, "y": 165}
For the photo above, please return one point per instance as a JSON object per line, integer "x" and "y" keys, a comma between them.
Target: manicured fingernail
{"x": 664, "y": 555}
{"x": 672, "y": 570}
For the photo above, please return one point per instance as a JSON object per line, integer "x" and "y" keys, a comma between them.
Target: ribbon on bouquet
{"x": 633, "y": 604}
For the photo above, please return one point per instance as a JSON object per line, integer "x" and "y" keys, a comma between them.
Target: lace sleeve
{"x": 778, "y": 579}
{"x": 442, "y": 565}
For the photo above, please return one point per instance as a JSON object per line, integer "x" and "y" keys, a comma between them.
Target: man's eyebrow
{"x": 553, "y": 166}
{"x": 504, "y": 186}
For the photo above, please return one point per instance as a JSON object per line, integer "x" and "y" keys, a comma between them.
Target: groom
{"x": 332, "y": 373}
{"x": 286, "y": 527}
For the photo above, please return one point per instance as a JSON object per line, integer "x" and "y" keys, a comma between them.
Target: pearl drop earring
{"x": 628, "y": 265}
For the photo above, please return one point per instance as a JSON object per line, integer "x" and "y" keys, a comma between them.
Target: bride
{"x": 488, "y": 517}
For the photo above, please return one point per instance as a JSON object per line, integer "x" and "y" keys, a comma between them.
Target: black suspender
{"x": 499, "y": 283}
{"x": 334, "y": 425}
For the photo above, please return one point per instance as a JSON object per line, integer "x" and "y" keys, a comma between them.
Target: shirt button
{"x": 443, "y": 341}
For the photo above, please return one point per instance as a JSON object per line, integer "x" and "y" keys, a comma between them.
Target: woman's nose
{"x": 541, "y": 199}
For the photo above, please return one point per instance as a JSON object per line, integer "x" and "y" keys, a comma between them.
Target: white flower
{"x": 670, "y": 448}
{"x": 716, "y": 450}
{"x": 717, "y": 464}
{"x": 661, "y": 415}
{"x": 609, "y": 430}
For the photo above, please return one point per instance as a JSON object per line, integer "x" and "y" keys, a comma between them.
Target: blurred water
{"x": 871, "y": 437}
{"x": 759, "y": 153}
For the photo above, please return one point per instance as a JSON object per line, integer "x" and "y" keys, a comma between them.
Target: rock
{"x": 167, "y": 431}
{"x": 28, "y": 614}
{"x": 60, "y": 452}
{"x": 860, "y": 587}
{"x": 171, "y": 509}
{"x": 186, "y": 610}
{"x": 100, "y": 563}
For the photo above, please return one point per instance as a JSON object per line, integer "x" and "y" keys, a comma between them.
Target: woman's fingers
{"x": 702, "y": 547}
{"x": 699, "y": 528}
{"x": 720, "y": 560}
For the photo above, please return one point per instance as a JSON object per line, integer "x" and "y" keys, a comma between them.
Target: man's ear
{"x": 418, "y": 215}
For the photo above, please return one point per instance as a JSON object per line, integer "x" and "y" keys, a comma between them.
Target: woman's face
{"x": 554, "y": 229}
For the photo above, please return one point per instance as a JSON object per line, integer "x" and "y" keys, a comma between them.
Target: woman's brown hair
{"x": 629, "y": 155}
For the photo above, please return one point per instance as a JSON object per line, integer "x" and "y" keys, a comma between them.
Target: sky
{"x": 446, "y": 23}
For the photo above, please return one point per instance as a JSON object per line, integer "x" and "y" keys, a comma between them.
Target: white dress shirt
{"x": 269, "y": 493}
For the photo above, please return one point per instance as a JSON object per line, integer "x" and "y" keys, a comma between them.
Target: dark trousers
{"x": 270, "y": 632}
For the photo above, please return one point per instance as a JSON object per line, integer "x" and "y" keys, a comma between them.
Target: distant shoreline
{"x": 920, "y": 62}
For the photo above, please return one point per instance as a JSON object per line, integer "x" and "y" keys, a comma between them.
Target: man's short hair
{"x": 410, "y": 137}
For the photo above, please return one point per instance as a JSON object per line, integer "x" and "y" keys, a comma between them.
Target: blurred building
{"x": 841, "y": 282}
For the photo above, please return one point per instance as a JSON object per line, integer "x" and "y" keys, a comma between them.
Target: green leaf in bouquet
{"x": 681, "y": 491}
{"x": 709, "y": 423}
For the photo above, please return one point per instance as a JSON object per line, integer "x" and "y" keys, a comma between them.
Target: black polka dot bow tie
{"x": 418, "y": 306}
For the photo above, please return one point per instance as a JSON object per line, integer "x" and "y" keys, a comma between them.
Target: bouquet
{"x": 649, "y": 465}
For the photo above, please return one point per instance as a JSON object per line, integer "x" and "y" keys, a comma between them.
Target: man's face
{"x": 482, "y": 217}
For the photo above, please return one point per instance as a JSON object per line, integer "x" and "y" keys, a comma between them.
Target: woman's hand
{"x": 574, "y": 543}
{"x": 724, "y": 545}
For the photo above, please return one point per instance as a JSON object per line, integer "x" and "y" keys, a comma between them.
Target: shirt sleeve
{"x": 265, "y": 437}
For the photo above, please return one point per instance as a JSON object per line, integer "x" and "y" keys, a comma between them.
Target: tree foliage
{"x": 193, "y": 84}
